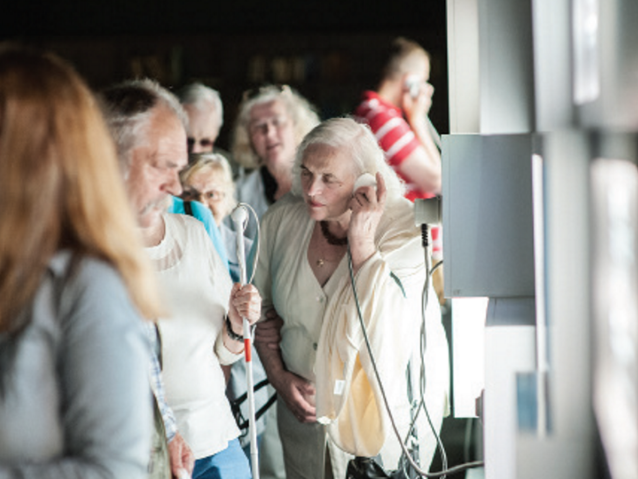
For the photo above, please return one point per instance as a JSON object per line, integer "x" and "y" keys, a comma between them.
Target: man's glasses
{"x": 204, "y": 143}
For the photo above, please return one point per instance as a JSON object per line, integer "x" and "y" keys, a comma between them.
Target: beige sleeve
{"x": 348, "y": 393}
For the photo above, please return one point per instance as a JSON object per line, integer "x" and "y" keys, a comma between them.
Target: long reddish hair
{"x": 60, "y": 186}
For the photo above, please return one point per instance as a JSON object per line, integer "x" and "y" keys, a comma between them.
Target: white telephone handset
{"x": 413, "y": 85}
{"x": 365, "y": 179}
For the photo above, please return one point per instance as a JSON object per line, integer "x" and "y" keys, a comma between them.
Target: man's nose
{"x": 174, "y": 186}
{"x": 197, "y": 148}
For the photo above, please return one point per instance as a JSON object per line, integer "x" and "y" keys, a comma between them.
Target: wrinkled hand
{"x": 298, "y": 394}
{"x": 367, "y": 207}
{"x": 181, "y": 456}
{"x": 268, "y": 332}
{"x": 245, "y": 302}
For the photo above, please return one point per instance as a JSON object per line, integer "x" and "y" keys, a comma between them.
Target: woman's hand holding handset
{"x": 367, "y": 205}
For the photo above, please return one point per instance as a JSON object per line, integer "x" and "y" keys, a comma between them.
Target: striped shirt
{"x": 393, "y": 133}
{"x": 157, "y": 385}
{"x": 397, "y": 140}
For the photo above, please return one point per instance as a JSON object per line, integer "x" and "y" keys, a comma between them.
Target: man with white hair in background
{"x": 205, "y": 110}
{"x": 203, "y": 327}
{"x": 205, "y": 116}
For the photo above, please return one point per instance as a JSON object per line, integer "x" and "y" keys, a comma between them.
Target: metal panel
{"x": 487, "y": 216}
{"x": 616, "y": 37}
{"x": 506, "y": 64}
{"x": 552, "y": 65}
{"x": 463, "y": 65}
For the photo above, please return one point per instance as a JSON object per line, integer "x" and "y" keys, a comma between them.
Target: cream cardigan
{"x": 389, "y": 287}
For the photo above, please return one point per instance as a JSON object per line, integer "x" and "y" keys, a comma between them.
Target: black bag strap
{"x": 240, "y": 399}
{"x": 188, "y": 208}
{"x": 158, "y": 339}
{"x": 244, "y": 424}
{"x": 235, "y": 406}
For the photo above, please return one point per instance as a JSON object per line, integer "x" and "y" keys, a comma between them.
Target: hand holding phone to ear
{"x": 413, "y": 85}
{"x": 366, "y": 179}
{"x": 417, "y": 98}
{"x": 367, "y": 205}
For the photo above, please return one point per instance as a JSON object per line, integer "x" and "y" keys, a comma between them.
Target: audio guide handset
{"x": 413, "y": 85}
{"x": 366, "y": 179}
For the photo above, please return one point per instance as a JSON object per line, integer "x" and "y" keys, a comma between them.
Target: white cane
{"x": 239, "y": 217}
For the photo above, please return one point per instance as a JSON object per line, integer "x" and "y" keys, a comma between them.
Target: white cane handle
{"x": 239, "y": 217}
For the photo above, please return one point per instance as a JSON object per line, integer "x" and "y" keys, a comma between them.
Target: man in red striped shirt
{"x": 397, "y": 114}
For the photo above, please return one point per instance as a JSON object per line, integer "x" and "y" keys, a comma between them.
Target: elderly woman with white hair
{"x": 331, "y": 403}
{"x": 271, "y": 122}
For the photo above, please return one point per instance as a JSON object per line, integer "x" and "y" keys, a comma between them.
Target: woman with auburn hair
{"x": 74, "y": 284}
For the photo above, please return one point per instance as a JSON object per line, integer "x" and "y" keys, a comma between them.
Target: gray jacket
{"x": 74, "y": 390}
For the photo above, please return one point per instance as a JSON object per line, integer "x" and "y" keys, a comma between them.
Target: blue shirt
{"x": 203, "y": 214}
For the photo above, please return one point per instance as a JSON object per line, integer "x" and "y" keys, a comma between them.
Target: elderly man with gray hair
{"x": 205, "y": 113}
{"x": 202, "y": 330}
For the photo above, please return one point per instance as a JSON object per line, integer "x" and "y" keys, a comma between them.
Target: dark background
{"x": 328, "y": 50}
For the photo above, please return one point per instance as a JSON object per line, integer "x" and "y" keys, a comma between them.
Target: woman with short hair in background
{"x": 209, "y": 180}
{"x": 271, "y": 123}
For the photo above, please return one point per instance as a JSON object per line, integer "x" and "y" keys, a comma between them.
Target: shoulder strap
{"x": 188, "y": 208}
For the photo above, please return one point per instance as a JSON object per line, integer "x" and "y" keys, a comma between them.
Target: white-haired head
{"x": 362, "y": 148}
{"x": 199, "y": 98}
{"x": 128, "y": 110}
{"x": 302, "y": 114}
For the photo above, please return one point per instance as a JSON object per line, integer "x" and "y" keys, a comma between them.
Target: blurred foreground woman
{"x": 74, "y": 392}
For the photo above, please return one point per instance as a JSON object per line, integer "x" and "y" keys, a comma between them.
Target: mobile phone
{"x": 413, "y": 85}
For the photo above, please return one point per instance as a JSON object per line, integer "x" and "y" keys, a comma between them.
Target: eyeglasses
{"x": 191, "y": 194}
{"x": 264, "y": 90}
{"x": 204, "y": 143}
